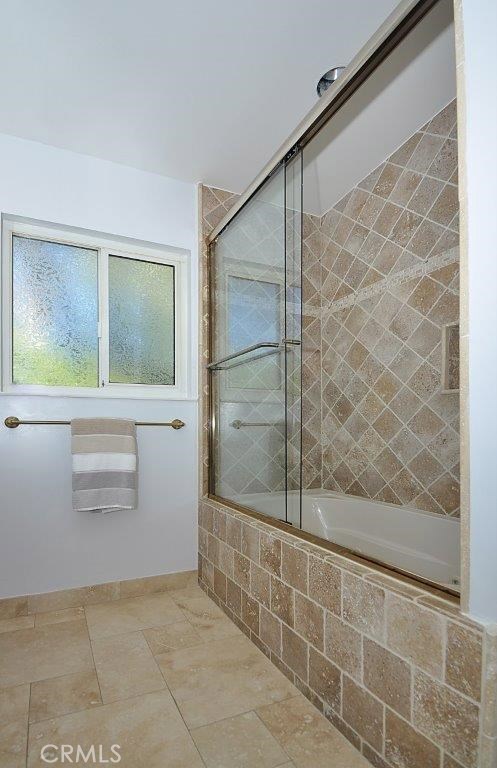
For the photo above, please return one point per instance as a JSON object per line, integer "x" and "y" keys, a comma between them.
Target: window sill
{"x": 105, "y": 393}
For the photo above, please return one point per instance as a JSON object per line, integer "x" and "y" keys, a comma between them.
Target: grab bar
{"x": 237, "y": 424}
{"x": 12, "y": 422}
{"x": 274, "y": 346}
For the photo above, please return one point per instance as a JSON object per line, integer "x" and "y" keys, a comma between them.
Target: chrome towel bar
{"x": 273, "y": 347}
{"x": 12, "y": 422}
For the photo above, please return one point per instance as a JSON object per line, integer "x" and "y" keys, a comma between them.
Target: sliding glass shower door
{"x": 255, "y": 349}
{"x": 293, "y": 336}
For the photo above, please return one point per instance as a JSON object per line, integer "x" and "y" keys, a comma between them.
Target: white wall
{"x": 414, "y": 83}
{"x": 44, "y": 545}
{"x": 480, "y": 23}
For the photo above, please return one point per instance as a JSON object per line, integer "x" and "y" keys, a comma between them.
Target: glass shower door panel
{"x": 249, "y": 438}
{"x": 293, "y": 336}
{"x": 248, "y": 389}
{"x": 375, "y": 390}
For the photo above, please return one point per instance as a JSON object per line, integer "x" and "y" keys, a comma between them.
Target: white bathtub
{"x": 420, "y": 543}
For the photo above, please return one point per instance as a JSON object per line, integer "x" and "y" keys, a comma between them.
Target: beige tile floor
{"x": 167, "y": 677}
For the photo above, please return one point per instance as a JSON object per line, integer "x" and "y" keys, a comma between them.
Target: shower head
{"x": 328, "y": 79}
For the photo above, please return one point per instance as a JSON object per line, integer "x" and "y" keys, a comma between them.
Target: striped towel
{"x": 103, "y": 464}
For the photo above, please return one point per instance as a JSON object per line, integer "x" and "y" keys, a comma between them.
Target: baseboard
{"x": 11, "y": 607}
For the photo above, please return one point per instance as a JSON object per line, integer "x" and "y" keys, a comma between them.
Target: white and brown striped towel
{"x": 103, "y": 464}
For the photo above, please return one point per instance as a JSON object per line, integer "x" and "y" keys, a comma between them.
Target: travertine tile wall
{"x": 333, "y": 625}
{"x": 408, "y": 679}
{"x": 213, "y": 204}
{"x": 382, "y": 267}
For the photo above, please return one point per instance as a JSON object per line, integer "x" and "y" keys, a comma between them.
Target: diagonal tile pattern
{"x": 250, "y": 273}
{"x": 382, "y": 266}
{"x": 379, "y": 284}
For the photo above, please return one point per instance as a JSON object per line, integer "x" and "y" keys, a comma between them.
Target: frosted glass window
{"x": 87, "y": 319}
{"x": 254, "y": 314}
{"x": 54, "y": 314}
{"x": 141, "y": 322}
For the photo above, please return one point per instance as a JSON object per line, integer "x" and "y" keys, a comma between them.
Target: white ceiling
{"x": 195, "y": 90}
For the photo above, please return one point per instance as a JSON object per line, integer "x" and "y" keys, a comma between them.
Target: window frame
{"x": 105, "y": 247}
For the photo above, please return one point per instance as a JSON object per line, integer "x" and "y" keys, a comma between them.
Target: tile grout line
{"x": 90, "y": 639}
{"x": 26, "y": 751}
{"x": 383, "y": 642}
{"x": 410, "y": 722}
{"x": 93, "y": 659}
{"x": 180, "y": 714}
{"x": 221, "y": 719}
{"x": 323, "y": 554}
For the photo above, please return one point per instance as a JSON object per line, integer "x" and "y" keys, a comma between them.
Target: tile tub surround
{"x": 380, "y": 275}
{"x": 143, "y": 672}
{"x": 381, "y": 282}
{"x": 213, "y": 204}
{"x": 228, "y": 563}
{"x": 406, "y": 677}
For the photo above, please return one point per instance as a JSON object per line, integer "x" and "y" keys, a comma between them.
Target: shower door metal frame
{"x": 270, "y": 348}
{"x": 392, "y": 32}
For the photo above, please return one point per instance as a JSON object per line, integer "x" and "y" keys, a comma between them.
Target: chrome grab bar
{"x": 274, "y": 346}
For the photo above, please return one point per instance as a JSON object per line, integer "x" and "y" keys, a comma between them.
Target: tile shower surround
{"x": 277, "y": 588}
{"x": 397, "y": 669}
{"x": 381, "y": 280}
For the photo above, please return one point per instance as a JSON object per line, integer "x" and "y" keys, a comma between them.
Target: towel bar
{"x": 12, "y": 422}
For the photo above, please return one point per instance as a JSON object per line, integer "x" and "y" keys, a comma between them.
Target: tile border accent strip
{"x": 429, "y": 265}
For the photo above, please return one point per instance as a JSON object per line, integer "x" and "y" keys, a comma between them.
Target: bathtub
{"x": 421, "y": 543}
